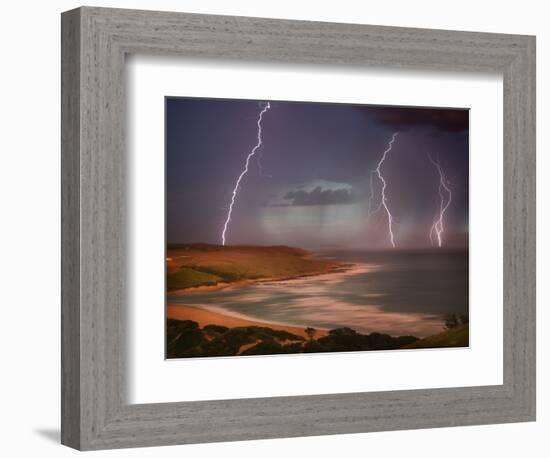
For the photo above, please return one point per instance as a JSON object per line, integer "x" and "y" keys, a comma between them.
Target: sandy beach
{"x": 204, "y": 317}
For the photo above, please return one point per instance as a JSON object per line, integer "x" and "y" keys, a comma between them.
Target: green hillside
{"x": 456, "y": 337}
{"x": 205, "y": 265}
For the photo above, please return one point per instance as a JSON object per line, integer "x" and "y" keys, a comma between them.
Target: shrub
{"x": 215, "y": 329}
{"x": 265, "y": 347}
{"x": 310, "y": 332}
{"x": 185, "y": 342}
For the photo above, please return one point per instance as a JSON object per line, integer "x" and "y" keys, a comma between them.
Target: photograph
{"x": 303, "y": 227}
{"x": 275, "y": 229}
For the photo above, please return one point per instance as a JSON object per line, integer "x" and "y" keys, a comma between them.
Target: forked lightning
{"x": 244, "y": 172}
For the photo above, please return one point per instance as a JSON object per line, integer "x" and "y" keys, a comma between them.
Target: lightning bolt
{"x": 383, "y": 200}
{"x": 259, "y": 158}
{"x": 245, "y": 171}
{"x": 438, "y": 228}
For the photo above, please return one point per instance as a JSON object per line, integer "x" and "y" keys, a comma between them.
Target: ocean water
{"x": 398, "y": 293}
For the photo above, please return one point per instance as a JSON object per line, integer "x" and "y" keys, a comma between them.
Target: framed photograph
{"x": 314, "y": 243}
{"x": 281, "y": 228}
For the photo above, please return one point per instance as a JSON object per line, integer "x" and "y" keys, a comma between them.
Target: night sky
{"x": 313, "y": 184}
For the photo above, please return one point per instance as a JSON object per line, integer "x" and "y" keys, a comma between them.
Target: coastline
{"x": 205, "y": 317}
{"x": 334, "y": 268}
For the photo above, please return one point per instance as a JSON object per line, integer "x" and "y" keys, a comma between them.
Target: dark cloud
{"x": 447, "y": 120}
{"x": 319, "y": 196}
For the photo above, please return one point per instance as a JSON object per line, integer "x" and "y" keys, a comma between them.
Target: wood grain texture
{"x": 70, "y": 229}
{"x": 96, "y": 414}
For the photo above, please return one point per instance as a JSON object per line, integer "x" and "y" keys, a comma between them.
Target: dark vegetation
{"x": 457, "y": 336}
{"x": 187, "y": 339}
{"x": 454, "y": 321}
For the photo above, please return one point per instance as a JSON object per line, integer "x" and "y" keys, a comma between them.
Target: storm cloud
{"x": 448, "y": 120}
{"x": 319, "y": 196}
{"x": 317, "y": 159}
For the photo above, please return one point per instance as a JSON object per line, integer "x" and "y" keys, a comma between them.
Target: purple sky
{"x": 313, "y": 186}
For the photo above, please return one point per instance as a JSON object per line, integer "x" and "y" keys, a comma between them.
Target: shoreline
{"x": 334, "y": 269}
{"x": 205, "y": 317}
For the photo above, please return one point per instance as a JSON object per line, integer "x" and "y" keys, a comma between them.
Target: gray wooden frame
{"x": 95, "y": 413}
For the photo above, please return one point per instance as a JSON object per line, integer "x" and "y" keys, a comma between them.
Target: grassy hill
{"x": 456, "y": 337}
{"x": 207, "y": 265}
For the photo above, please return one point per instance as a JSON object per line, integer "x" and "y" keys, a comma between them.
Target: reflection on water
{"x": 398, "y": 293}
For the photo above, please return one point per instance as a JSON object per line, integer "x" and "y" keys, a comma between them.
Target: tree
{"x": 310, "y": 333}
